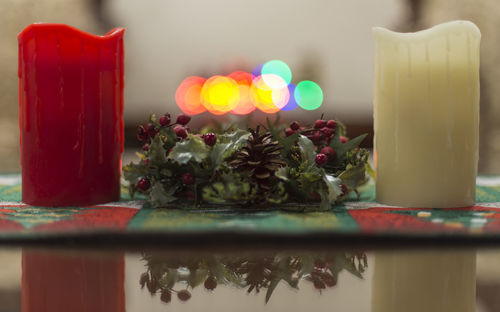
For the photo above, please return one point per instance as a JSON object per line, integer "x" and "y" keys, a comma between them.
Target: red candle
{"x": 70, "y": 115}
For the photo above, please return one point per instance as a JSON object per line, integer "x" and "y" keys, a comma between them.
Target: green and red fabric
{"x": 354, "y": 218}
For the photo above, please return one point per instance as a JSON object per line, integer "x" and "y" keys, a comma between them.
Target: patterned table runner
{"x": 356, "y": 219}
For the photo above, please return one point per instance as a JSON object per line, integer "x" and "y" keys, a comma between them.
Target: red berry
{"x": 183, "y": 295}
{"x": 295, "y": 126}
{"x": 321, "y": 159}
{"x": 343, "y": 139}
{"x": 317, "y": 136}
{"x": 143, "y": 184}
{"x": 187, "y": 178}
{"x": 210, "y": 283}
{"x": 145, "y": 161}
{"x": 151, "y": 129}
{"x": 210, "y": 139}
{"x": 145, "y": 147}
{"x": 164, "y": 120}
{"x": 331, "y": 124}
{"x": 289, "y": 132}
{"x": 320, "y": 123}
{"x": 344, "y": 189}
{"x": 327, "y": 131}
{"x": 183, "y": 119}
{"x": 166, "y": 296}
{"x": 328, "y": 151}
{"x": 180, "y": 131}
{"x": 142, "y": 135}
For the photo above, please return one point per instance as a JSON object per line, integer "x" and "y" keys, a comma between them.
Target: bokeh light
{"x": 279, "y": 68}
{"x": 268, "y": 88}
{"x": 269, "y": 98}
{"x": 244, "y": 81}
{"x": 187, "y": 95}
{"x": 308, "y": 95}
{"x": 292, "y": 104}
{"x": 257, "y": 71}
{"x": 220, "y": 94}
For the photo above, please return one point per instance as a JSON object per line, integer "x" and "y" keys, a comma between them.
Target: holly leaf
{"x": 353, "y": 143}
{"x": 235, "y": 138}
{"x": 226, "y": 145}
{"x": 282, "y": 173}
{"x": 307, "y": 149}
{"x": 191, "y": 149}
{"x": 160, "y": 197}
{"x": 285, "y": 142}
{"x": 157, "y": 153}
{"x": 333, "y": 187}
{"x": 340, "y": 148}
{"x": 133, "y": 172}
{"x": 353, "y": 176}
{"x": 370, "y": 170}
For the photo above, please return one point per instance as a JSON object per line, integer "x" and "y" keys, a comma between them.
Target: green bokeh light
{"x": 279, "y": 68}
{"x": 308, "y": 95}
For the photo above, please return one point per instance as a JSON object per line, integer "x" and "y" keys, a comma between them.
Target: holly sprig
{"x": 179, "y": 168}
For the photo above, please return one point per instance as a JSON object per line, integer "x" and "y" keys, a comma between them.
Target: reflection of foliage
{"x": 168, "y": 275}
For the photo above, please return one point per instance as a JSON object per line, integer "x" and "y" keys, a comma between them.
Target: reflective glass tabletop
{"x": 237, "y": 278}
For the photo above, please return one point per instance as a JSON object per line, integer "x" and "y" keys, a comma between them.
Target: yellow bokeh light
{"x": 220, "y": 94}
{"x": 269, "y": 98}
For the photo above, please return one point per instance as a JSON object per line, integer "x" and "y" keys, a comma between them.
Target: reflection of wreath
{"x": 251, "y": 272}
{"x": 261, "y": 167}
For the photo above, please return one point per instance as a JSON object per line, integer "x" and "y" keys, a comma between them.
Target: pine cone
{"x": 260, "y": 157}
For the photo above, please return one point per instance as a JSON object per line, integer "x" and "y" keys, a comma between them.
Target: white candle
{"x": 426, "y": 115}
{"x": 430, "y": 281}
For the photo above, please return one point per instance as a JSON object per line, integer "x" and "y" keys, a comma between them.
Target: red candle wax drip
{"x": 70, "y": 115}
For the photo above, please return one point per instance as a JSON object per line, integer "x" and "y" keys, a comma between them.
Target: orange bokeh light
{"x": 244, "y": 81}
{"x": 188, "y": 95}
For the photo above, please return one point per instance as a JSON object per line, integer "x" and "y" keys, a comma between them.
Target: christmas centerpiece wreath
{"x": 270, "y": 166}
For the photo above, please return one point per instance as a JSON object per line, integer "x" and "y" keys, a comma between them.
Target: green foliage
{"x": 293, "y": 175}
{"x": 160, "y": 197}
{"x": 229, "y": 189}
{"x": 285, "y": 142}
{"x": 192, "y": 148}
{"x": 226, "y": 145}
{"x": 158, "y": 154}
{"x": 307, "y": 149}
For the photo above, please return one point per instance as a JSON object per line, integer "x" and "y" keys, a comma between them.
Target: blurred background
{"x": 327, "y": 41}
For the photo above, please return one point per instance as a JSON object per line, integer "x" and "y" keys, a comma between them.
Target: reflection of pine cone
{"x": 260, "y": 157}
{"x": 258, "y": 273}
